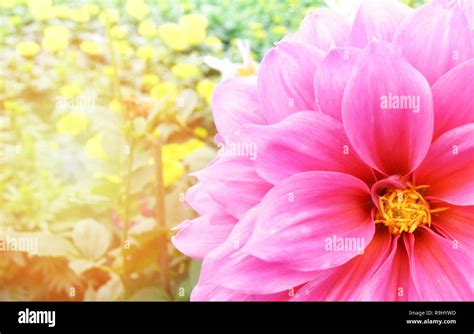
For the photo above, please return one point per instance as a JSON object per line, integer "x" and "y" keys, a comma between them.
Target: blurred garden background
{"x": 104, "y": 112}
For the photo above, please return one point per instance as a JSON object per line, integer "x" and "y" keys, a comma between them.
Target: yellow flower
{"x": 214, "y": 42}
{"x": 55, "y": 38}
{"x": 110, "y": 16}
{"x": 137, "y": 9}
{"x": 147, "y": 29}
{"x": 27, "y": 48}
{"x": 193, "y": 145}
{"x": 279, "y": 30}
{"x": 205, "y": 88}
{"x": 150, "y": 79}
{"x": 14, "y": 107}
{"x": 81, "y": 15}
{"x": 115, "y": 106}
{"x": 123, "y": 48}
{"x": 93, "y": 9}
{"x": 173, "y": 170}
{"x": 165, "y": 90}
{"x": 173, "y": 36}
{"x": 70, "y": 90}
{"x": 94, "y": 147}
{"x": 41, "y": 9}
{"x": 185, "y": 71}
{"x": 255, "y": 26}
{"x": 260, "y": 34}
{"x": 194, "y": 27}
{"x": 109, "y": 70}
{"x": 201, "y": 132}
{"x": 72, "y": 123}
{"x": 91, "y": 48}
{"x": 146, "y": 52}
{"x": 62, "y": 12}
{"x": 118, "y": 32}
{"x": 7, "y": 3}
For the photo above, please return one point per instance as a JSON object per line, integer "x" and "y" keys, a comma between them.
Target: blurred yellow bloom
{"x": 205, "y": 88}
{"x": 165, "y": 90}
{"x": 91, "y": 48}
{"x": 15, "y": 20}
{"x": 62, "y": 11}
{"x": 94, "y": 148}
{"x": 55, "y": 38}
{"x": 53, "y": 145}
{"x": 72, "y": 123}
{"x": 201, "y": 132}
{"x": 146, "y": 52}
{"x": 214, "y": 42}
{"x": 150, "y": 79}
{"x": 173, "y": 170}
{"x": 27, "y": 48}
{"x": 109, "y": 70}
{"x": 147, "y": 29}
{"x": 109, "y": 16}
{"x": 93, "y": 9}
{"x": 255, "y": 25}
{"x": 14, "y": 107}
{"x": 118, "y": 32}
{"x": 192, "y": 145}
{"x": 124, "y": 48}
{"x": 70, "y": 90}
{"x": 194, "y": 27}
{"x": 260, "y": 34}
{"x": 7, "y": 3}
{"x": 280, "y": 30}
{"x": 41, "y": 9}
{"x": 173, "y": 36}
{"x": 137, "y": 9}
{"x": 81, "y": 15}
{"x": 185, "y": 71}
{"x": 115, "y": 106}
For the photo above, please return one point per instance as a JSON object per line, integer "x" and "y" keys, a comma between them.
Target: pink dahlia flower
{"x": 347, "y": 164}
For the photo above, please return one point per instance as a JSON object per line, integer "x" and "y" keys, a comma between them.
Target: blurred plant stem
{"x": 130, "y": 149}
{"x": 160, "y": 214}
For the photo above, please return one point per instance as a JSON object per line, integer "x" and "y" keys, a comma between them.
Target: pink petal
{"x": 285, "y": 79}
{"x": 302, "y": 217}
{"x": 449, "y": 167}
{"x": 390, "y": 139}
{"x": 234, "y": 184}
{"x": 467, "y": 7}
{"x": 199, "y": 199}
{"x": 452, "y": 98}
{"x": 235, "y": 103}
{"x": 435, "y": 38}
{"x": 210, "y": 292}
{"x": 227, "y": 266}
{"x": 394, "y": 181}
{"x": 392, "y": 281}
{"x": 331, "y": 77}
{"x": 323, "y": 28}
{"x": 304, "y": 141}
{"x": 376, "y": 19}
{"x": 440, "y": 271}
{"x": 339, "y": 284}
{"x": 197, "y": 237}
{"x": 457, "y": 224}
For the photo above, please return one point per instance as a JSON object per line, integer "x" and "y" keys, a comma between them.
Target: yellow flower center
{"x": 403, "y": 210}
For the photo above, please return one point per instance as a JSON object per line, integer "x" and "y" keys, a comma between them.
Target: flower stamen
{"x": 403, "y": 210}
